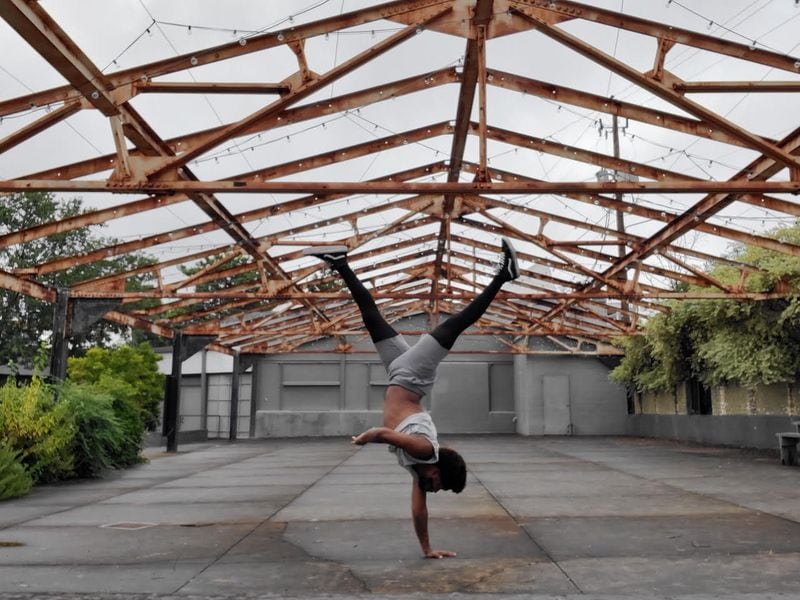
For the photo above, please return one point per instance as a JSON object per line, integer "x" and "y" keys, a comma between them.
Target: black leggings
{"x": 445, "y": 333}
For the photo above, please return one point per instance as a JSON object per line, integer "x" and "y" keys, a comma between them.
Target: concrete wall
{"x": 746, "y": 431}
{"x": 594, "y": 405}
{"x": 776, "y": 399}
{"x": 740, "y": 416}
{"x": 219, "y": 405}
{"x": 324, "y": 394}
{"x": 205, "y": 413}
{"x": 481, "y": 388}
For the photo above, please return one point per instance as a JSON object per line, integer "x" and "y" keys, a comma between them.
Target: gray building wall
{"x": 481, "y": 388}
{"x": 205, "y": 413}
{"x": 567, "y": 395}
{"x": 745, "y": 431}
{"x": 219, "y": 405}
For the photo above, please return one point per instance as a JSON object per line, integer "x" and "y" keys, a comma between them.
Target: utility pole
{"x": 605, "y": 175}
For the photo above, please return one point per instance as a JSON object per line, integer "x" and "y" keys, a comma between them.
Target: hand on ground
{"x": 439, "y": 554}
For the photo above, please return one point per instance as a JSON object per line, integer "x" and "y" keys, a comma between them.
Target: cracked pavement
{"x": 553, "y": 517}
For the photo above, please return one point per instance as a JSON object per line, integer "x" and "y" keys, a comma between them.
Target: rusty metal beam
{"x": 302, "y": 91}
{"x": 568, "y": 9}
{"x": 663, "y": 91}
{"x": 553, "y": 295}
{"x": 652, "y": 214}
{"x": 612, "y": 106}
{"x": 164, "y": 87}
{"x": 760, "y": 168}
{"x": 270, "y": 211}
{"x": 226, "y": 51}
{"x": 49, "y": 119}
{"x": 289, "y": 116}
{"x": 241, "y": 186}
{"x": 45, "y": 36}
{"x": 747, "y": 87}
{"x": 473, "y": 57}
{"x": 18, "y": 284}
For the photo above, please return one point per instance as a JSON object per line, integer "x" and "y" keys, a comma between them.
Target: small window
{"x": 698, "y": 398}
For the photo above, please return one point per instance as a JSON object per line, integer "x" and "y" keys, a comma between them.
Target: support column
{"x": 71, "y": 316}
{"x": 172, "y": 395}
{"x": 254, "y": 395}
{"x": 60, "y": 345}
{"x": 522, "y": 395}
{"x": 234, "y": 420}
{"x": 183, "y": 346}
{"x": 204, "y": 390}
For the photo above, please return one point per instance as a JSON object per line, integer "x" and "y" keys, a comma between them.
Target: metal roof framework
{"x": 421, "y": 235}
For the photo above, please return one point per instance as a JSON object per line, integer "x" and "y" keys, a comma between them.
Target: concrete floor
{"x": 540, "y": 518}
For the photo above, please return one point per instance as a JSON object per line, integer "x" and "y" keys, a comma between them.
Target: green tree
{"x": 237, "y": 272}
{"x": 26, "y": 322}
{"x": 746, "y": 342}
{"x": 128, "y": 372}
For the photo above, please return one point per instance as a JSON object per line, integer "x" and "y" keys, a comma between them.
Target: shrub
{"x": 132, "y": 427}
{"x": 135, "y": 375}
{"x": 40, "y": 429}
{"x": 744, "y": 342}
{"x": 14, "y": 478}
{"x": 108, "y": 426}
{"x": 98, "y": 432}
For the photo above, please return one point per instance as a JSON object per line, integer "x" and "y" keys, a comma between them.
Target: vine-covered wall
{"x": 775, "y": 399}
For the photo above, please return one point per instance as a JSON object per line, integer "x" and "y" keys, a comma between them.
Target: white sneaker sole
{"x": 320, "y": 250}
{"x": 513, "y": 265}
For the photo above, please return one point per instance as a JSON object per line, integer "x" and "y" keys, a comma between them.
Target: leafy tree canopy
{"x": 130, "y": 371}
{"x": 725, "y": 341}
{"x": 26, "y": 322}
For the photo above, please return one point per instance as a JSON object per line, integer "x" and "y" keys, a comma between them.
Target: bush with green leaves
{"x": 129, "y": 373}
{"x": 743, "y": 342}
{"x": 14, "y": 477}
{"x": 39, "y": 428}
{"x": 99, "y": 435}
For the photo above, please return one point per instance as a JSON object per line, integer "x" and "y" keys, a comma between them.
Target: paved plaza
{"x": 541, "y": 518}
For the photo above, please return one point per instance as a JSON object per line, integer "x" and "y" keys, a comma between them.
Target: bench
{"x": 787, "y": 442}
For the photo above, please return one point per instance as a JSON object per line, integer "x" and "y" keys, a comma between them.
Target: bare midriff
{"x": 398, "y": 404}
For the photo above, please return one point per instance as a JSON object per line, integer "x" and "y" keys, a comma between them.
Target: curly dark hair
{"x": 452, "y": 470}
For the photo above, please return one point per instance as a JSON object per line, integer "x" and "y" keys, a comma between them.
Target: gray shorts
{"x": 411, "y": 367}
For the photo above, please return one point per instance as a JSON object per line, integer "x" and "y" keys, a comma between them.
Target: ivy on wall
{"x": 744, "y": 342}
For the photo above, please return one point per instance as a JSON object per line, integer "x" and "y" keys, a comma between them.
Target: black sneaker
{"x": 335, "y": 256}
{"x": 509, "y": 269}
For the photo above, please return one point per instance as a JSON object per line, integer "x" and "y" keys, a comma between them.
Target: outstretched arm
{"x": 419, "y": 513}
{"x": 415, "y": 445}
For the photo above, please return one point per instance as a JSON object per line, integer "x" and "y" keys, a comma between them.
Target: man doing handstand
{"x": 407, "y": 428}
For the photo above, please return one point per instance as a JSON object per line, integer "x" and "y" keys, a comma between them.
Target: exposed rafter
{"x": 418, "y": 175}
